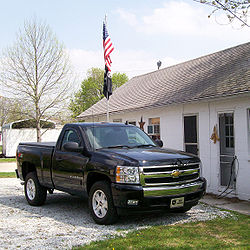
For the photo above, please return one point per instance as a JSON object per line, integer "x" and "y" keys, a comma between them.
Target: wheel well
{"x": 27, "y": 168}
{"x": 94, "y": 177}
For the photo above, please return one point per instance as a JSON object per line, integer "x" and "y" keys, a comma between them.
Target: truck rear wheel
{"x": 101, "y": 204}
{"x": 35, "y": 193}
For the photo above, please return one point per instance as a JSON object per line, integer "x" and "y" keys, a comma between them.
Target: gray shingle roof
{"x": 220, "y": 74}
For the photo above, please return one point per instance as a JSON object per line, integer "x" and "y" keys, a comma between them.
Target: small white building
{"x": 200, "y": 106}
{"x": 18, "y": 131}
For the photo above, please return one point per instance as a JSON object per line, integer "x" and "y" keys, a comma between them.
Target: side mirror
{"x": 72, "y": 147}
{"x": 159, "y": 143}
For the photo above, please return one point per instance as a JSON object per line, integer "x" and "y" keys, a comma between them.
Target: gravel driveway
{"x": 64, "y": 221}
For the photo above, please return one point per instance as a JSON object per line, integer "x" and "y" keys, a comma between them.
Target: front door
{"x": 227, "y": 151}
{"x": 191, "y": 134}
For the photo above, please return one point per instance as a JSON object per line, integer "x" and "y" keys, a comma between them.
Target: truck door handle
{"x": 59, "y": 159}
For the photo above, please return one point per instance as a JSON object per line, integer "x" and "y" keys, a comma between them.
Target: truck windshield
{"x": 118, "y": 137}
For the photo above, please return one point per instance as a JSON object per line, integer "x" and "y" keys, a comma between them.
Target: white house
{"x": 19, "y": 131}
{"x": 200, "y": 106}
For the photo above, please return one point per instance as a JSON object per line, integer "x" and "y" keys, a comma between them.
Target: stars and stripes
{"x": 107, "y": 46}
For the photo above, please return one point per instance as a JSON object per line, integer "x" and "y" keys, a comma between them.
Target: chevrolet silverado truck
{"x": 118, "y": 167}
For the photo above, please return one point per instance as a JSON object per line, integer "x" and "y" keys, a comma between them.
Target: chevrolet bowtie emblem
{"x": 175, "y": 173}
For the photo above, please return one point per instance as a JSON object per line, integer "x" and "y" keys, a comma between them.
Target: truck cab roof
{"x": 98, "y": 124}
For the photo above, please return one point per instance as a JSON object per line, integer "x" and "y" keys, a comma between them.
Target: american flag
{"x": 107, "y": 46}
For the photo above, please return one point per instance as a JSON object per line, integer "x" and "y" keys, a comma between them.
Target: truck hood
{"x": 151, "y": 156}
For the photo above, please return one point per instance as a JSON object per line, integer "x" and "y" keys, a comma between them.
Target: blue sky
{"x": 142, "y": 31}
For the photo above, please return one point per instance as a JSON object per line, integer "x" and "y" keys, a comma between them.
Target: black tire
{"x": 35, "y": 194}
{"x": 103, "y": 211}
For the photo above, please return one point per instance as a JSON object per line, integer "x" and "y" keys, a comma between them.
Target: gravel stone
{"x": 64, "y": 221}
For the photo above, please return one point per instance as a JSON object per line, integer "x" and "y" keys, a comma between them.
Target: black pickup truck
{"x": 119, "y": 167}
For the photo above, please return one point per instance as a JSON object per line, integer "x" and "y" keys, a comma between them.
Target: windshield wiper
{"x": 116, "y": 146}
{"x": 144, "y": 145}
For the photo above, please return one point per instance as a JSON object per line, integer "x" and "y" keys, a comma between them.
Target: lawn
{"x": 227, "y": 233}
{"x": 7, "y": 160}
{"x": 7, "y": 175}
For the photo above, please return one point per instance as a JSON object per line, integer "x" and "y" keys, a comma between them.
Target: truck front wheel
{"x": 101, "y": 204}
{"x": 35, "y": 193}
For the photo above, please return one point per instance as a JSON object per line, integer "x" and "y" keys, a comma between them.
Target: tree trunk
{"x": 38, "y": 124}
{"x": 38, "y": 131}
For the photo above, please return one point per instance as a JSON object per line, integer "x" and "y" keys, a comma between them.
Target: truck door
{"x": 68, "y": 167}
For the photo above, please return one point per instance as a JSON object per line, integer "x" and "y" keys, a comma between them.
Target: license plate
{"x": 177, "y": 202}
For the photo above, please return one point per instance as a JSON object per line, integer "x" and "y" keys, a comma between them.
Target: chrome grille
{"x": 164, "y": 175}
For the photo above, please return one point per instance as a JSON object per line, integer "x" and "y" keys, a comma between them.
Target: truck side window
{"x": 70, "y": 136}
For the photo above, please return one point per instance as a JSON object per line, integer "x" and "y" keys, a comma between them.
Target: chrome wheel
{"x": 35, "y": 194}
{"x": 100, "y": 204}
{"x": 31, "y": 189}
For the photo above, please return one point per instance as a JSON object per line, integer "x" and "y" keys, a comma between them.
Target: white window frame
{"x": 154, "y": 127}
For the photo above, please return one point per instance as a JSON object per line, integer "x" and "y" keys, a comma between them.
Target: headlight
{"x": 126, "y": 174}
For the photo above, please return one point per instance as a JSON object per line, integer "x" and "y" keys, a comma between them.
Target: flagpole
{"x": 108, "y": 48}
{"x": 105, "y": 20}
{"x": 108, "y": 110}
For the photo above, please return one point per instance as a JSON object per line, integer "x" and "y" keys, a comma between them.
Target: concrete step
{"x": 233, "y": 204}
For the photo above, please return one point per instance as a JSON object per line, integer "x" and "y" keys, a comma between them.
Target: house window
{"x": 229, "y": 127}
{"x": 154, "y": 127}
{"x": 117, "y": 120}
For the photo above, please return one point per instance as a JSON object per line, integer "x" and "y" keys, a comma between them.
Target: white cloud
{"x": 82, "y": 60}
{"x": 181, "y": 18}
{"x": 138, "y": 62}
{"x": 173, "y": 17}
{"x": 130, "y": 62}
{"x": 129, "y": 17}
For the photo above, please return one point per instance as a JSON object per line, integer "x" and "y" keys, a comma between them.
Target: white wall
{"x": 12, "y": 137}
{"x": 171, "y": 122}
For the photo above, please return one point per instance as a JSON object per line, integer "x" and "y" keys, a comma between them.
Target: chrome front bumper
{"x": 183, "y": 189}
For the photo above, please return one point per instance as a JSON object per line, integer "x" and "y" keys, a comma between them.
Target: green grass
{"x": 7, "y": 160}
{"x": 7, "y": 175}
{"x": 227, "y": 233}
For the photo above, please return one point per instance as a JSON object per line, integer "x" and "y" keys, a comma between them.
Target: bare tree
{"x": 35, "y": 69}
{"x": 235, "y": 9}
{"x": 11, "y": 110}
